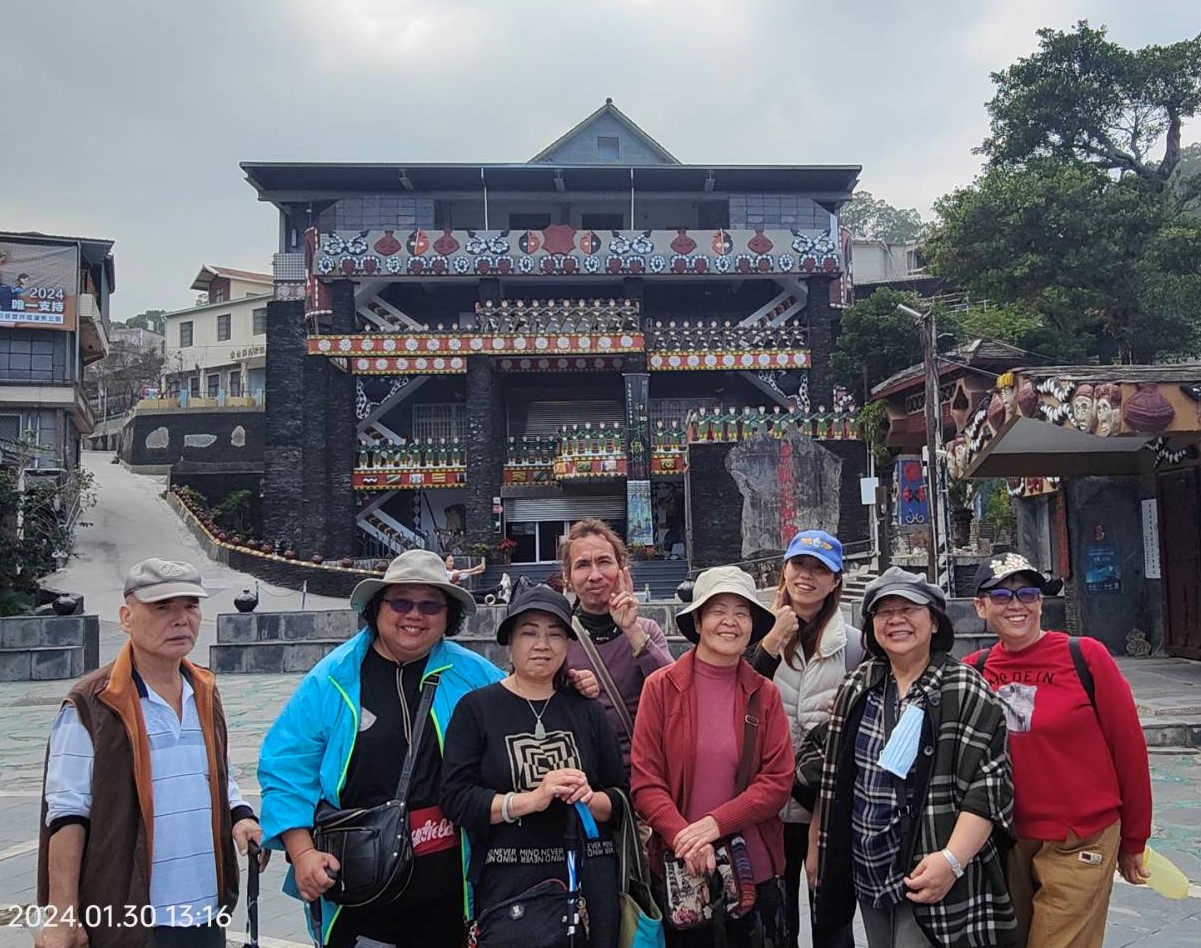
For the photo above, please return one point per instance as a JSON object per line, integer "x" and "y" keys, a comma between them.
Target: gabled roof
{"x": 967, "y": 357}
{"x": 208, "y": 273}
{"x": 608, "y": 110}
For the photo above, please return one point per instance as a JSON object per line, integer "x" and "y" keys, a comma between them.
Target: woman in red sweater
{"x": 689, "y": 739}
{"x": 1081, "y": 781}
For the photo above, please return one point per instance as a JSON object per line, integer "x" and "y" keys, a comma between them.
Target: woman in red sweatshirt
{"x": 687, "y": 759}
{"x": 1081, "y": 780}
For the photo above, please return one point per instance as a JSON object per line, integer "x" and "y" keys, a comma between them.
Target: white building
{"x": 217, "y": 350}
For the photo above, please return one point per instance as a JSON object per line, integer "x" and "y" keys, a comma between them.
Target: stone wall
{"x": 45, "y": 648}
{"x": 1106, "y": 536}
{"x": 717, "y": 502}
{"x": 218, "y": 438}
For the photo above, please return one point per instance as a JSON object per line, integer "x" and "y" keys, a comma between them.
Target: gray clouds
{"x": 134, "y": 115}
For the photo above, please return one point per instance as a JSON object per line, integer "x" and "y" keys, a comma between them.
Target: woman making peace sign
{"x": 628, "y": 646}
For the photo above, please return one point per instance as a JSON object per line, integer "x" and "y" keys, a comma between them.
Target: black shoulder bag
{"x": 372, "y": 844}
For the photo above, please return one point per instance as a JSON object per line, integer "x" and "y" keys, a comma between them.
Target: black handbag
{"x": 536, "y": 918}
{"x": 372, "y": 844}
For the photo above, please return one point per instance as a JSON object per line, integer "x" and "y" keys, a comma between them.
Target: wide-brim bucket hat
{"x": 535, "y": 598}
{"x": 714, "y": 582}
{"x": 422, "y": 567}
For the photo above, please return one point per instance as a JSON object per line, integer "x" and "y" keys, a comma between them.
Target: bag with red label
{"x": 373, "y": 845}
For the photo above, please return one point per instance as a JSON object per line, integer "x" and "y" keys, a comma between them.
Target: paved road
{"x": 132, "y": 522}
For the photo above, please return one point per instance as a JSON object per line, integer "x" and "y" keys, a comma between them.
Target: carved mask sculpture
{"x": 1028, "y": 399}
{"x": 1109, "y": 407}
{"x": 1084, "y": 411}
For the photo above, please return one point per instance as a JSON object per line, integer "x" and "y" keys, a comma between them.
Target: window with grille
{"x": 223, "y": 327}
{"x": 185, "y": 334}
{"x": 214, "y": 386}
{"x": 260, "y": 321}
{"x": 10, "y": 428}
{"x": 439, "y": 420}
{"x": 235, "y": 383}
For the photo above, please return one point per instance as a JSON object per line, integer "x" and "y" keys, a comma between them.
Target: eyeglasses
{"x": 898, "y": 612}
{"x": 1001, "y": 595}
{"x": 427, "y": 607}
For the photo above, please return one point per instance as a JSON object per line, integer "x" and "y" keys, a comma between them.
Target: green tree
{"x": 1083, "y": 204}
{"x": 875, "y": 340}
{"x": 1085, "y": 99}
{"x": 153, "y": 319}
{"x": 872, "y": 218}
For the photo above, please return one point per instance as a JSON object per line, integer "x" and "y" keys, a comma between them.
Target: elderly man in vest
{"x": 141, "y": 821}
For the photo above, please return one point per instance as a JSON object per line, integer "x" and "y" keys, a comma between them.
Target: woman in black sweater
{"x": 519, "y": 755}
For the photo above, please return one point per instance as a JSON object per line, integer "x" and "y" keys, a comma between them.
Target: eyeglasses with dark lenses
{"x": 1026, "y": 594}
{"x": 427, "y": 607}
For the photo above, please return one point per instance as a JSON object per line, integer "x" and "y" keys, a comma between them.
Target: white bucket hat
{"x": 724, "y": 579}
{"x": 413, "y": 566}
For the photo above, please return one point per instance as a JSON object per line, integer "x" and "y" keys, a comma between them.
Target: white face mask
{"x": 901, "y": 750}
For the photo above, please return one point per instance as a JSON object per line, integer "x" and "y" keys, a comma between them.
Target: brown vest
{"x": 117, "y": 854}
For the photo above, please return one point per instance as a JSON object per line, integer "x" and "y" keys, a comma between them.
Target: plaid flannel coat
{"x": 963, "y": 765}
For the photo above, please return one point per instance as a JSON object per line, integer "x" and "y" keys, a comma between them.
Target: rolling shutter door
{"x": 526, "y": 509}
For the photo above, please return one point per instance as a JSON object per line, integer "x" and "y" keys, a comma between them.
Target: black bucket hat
{"x": 539, "y": 598}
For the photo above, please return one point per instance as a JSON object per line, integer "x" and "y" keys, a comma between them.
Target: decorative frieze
{"x": 746, "y": 360}
{"x": 561, "y": 250}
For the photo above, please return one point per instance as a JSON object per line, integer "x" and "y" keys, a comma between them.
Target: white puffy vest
{"x": 806, "y": 691}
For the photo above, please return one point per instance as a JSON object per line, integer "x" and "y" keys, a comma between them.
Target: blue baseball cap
{"x": 818, "y": 544}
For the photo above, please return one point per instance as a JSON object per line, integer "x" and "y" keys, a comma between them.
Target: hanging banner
{"x": 39, "y": 285}
{"x": 640, "y": 526}
{"x": 910, "y": 483}
{"x": 638, "y": 426}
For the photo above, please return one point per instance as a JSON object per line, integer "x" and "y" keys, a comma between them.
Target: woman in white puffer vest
{"x": 807, "y": 654}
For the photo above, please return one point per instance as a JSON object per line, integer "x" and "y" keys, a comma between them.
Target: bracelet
{"x": 504, "y": 807}
{"x": 641, "y": 647}
{"x": 953, "y": 862}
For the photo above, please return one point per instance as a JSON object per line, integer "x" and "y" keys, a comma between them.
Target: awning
{"x": 1029, "y": 448}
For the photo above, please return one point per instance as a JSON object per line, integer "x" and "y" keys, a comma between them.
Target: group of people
{"x": 954, "y": 803}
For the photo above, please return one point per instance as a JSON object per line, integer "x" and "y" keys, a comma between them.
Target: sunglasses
{"x": 427, "y": 607}
{"x": 1027, "y": 594}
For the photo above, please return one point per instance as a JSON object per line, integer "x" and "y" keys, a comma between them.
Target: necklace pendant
{"x": 539, "y": 732}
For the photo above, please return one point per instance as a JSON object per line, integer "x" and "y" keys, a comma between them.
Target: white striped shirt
{"x": 183, "y": 877}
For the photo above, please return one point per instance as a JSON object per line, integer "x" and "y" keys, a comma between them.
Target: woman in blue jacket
{"x": 342, "y": 739}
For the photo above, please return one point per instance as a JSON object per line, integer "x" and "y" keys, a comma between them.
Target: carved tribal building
{"x": 460, "y": 354}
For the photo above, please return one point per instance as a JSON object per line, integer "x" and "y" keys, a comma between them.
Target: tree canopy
{"x": 1085, "y": 215}
{"x": 872, "y": 218}
{"x": 1084, "y": 98}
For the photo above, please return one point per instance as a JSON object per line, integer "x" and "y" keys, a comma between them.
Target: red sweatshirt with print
{"x": 1073, "y": 768}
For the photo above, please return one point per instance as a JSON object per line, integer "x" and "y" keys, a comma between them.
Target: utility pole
{"x": 933, "y": 450}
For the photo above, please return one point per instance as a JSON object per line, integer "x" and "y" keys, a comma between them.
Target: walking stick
{"x": 252, "y": 894}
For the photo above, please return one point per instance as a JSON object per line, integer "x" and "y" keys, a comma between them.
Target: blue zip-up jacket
{"x": 307, "y": 752}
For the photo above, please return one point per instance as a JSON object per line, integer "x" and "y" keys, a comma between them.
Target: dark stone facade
{"x": 310, "y": 438}
{"x": 822, "y": 319}
{"x": 485, "y": 448}
{"x": 284, "y": 502}
{"x": 166, "y": 437}
{"x": 716, "y": 501}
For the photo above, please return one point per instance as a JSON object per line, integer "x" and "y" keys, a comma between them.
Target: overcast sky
{"x": 136, "y": 113}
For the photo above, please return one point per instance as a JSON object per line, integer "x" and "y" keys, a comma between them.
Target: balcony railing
{"x": 563, "y": 251}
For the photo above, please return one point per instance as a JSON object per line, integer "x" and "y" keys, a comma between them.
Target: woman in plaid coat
{"x": 916, "y": 791}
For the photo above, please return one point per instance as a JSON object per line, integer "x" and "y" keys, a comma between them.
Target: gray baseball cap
{"x": 154, "y": 580}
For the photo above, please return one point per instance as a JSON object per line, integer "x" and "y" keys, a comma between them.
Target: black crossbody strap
{"x": 428, "y": 687}
{"x": 602, "y": 672}
{"x": 746, "y": 762}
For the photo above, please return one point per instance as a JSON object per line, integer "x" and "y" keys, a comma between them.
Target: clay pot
{"x": 1147, "y": 410}
{"x": 318, "y": 559}
{"x": 346, "y": 563}
{"x": 246, "y": 601}
{"x": 65, "y": 605}
{"x": 266, "y": 548}
{"x": 289, "y": 554}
